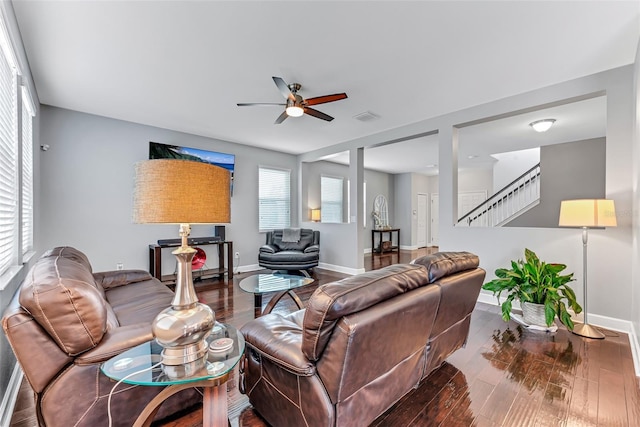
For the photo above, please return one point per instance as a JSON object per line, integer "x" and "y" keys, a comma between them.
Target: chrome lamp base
{"x": 587, "y": 331}
{"x": 182, "y": 328}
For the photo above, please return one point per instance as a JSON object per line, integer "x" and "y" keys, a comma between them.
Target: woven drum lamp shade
{"x": 181, "y": 191}
{"x": 587, "y": 213}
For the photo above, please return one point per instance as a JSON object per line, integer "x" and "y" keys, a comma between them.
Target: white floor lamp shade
{"x": 587, "y": 213}
{"x": 182, "y": 192}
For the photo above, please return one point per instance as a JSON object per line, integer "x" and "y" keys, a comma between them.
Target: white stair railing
{"x": 515, "y": 198}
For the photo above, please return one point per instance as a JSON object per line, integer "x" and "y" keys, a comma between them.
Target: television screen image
{"x": 165, "y": 151}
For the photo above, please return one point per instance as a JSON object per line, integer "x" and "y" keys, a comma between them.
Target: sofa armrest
{"x": 270, "y": 249}
{"x": 279, "y": 339}
{"x": 311, "y": 249}
{"x": 115, "y": 341}
{"x": 113, "y": 279}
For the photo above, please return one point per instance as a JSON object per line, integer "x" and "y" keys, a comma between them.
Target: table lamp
{"x": 182, "y": 192}
{"x": 587, "y": 213}
{"x": 315, "y": 215}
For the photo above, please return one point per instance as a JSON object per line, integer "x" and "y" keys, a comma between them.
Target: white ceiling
{"x": 185, "y": 65}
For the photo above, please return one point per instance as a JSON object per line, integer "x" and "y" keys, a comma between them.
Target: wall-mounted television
{"x": 166, "y": 151}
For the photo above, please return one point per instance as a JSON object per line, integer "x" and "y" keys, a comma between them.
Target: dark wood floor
{"x": 505, "y": 376}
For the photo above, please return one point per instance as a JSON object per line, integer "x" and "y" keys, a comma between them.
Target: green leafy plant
{"x": 536, "y": 282}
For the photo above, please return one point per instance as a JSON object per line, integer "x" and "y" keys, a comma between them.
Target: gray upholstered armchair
{"x": 290, "y": 249}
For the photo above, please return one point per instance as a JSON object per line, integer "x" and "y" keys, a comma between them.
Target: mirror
{"x": 380, "y": 213}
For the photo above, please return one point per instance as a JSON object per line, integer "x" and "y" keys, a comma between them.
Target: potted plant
{"x": 534, "y": 282}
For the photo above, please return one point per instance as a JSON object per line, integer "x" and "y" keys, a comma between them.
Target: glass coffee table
{"x": 283, "y": 284}
{"x": 140, "y": 366}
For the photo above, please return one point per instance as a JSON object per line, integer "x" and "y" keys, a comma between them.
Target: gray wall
{"x": 377, "y": 183}
{"x": 574, "y": 170}
{"x": 87, "y": 178}
{"x": 635, "y": 210}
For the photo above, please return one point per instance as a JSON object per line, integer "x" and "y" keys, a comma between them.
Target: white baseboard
{"x": 341, "y": 269}
{"x": 10, "y": 396}
{"x": 610, "y": 323}
{"x": 635, "y": 349}
{"x": 246, "y": 268}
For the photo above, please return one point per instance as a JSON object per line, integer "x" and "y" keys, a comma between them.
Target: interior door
{"x": 423, "y": 208}
{"x": 435, "y": 219}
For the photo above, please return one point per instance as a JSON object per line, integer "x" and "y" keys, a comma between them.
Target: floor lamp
{"x": 587, "y": 213}
{"x": 182, "y": 192}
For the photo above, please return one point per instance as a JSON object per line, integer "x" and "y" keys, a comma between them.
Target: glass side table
{"x": 213, "y": 379}
{"x": 283, "y": 284}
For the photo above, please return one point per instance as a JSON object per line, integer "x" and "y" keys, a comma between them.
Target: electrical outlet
{"x": 119, "y": 266}
{"x": 237, "y": 255}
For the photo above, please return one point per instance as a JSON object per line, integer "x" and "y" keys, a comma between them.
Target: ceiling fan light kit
{"x": 296, "y": 105}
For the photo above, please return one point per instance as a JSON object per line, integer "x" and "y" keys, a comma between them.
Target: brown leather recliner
{"x": 361, "y": 343}
{"x": 65, "y": 321}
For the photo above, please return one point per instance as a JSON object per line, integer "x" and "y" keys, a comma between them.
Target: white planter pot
{"x": 533, "y": 314}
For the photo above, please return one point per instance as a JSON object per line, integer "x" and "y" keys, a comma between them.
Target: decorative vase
{"x": 533, "y": 314}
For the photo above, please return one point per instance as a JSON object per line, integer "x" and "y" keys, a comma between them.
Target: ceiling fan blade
{"x": 317, "y": 114}
{"x": 258, "y": 104}
{"x": 284, "y": 88}
{"x": 324, "y": 99}
{"x": 281, "y": 118}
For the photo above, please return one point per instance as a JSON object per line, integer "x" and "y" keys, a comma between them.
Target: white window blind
{"x": 27, "y": 172}
{"x": 8, "y": 160}
{"x": 331, "y": 199}
{"x": 274, "y": 204}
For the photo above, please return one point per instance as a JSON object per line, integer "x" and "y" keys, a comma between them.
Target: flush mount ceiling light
{"x": 542, "y": 125}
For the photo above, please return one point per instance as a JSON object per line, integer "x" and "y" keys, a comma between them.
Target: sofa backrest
{"x": 332, "y": 301}
{"x": 389, "y": 338}
{"x": 308, "y": 237}
{"x": 62, "y": 296}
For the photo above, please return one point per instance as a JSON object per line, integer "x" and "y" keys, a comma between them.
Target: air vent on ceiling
{"x": 367, "y": 116}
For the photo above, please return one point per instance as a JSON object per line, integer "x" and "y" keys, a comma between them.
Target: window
{"x": 16, "y": 160}
{"x": 27, "y": 172}
{"x": 331, "y": 199}
{"x": 8, "y": 157}
{"x": 274, "y": 198}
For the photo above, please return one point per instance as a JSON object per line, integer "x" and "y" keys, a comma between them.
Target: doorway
{"x": 423, "y": 220}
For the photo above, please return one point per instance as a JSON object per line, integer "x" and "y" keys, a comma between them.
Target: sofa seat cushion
{"x": 62, "y": 296}
{"x": 295, "y": 257}
{"x": 139, "y": 302}
{"x": 279, "y": 338}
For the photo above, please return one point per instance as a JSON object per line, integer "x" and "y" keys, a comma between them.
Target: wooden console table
{"x": 155, "y": 262}
{"x": 381, "y": 233}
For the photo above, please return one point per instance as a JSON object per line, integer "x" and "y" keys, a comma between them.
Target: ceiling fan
{"x": 297, "y": 105}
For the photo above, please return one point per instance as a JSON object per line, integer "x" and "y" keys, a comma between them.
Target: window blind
{"x": 27, "y": 172}
{"x": 274, "y": 199}
{"x": 331, "y": 199}
{"x": 8, "y": 162}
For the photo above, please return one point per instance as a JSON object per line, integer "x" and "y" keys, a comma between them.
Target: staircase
{"x": 513, "y": 200}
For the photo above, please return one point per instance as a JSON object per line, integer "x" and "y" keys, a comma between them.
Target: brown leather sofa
{"x": 361, "y": 343}
{"x": 65, "y": 321}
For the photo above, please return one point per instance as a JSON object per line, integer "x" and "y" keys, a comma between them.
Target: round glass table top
{"x": 261, "y": 283}
{"x": 140, "y": 365}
